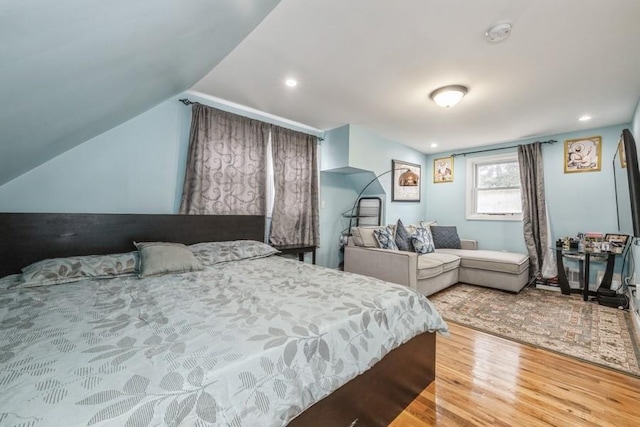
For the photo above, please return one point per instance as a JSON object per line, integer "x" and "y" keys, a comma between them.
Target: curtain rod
{"x": 187, "y": 102}
{"x": 551, "y": 141}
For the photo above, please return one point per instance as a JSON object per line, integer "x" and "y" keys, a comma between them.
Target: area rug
{"x": 562, "y": 323}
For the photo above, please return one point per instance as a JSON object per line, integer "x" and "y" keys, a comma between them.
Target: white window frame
{"x": 472, "y": 163}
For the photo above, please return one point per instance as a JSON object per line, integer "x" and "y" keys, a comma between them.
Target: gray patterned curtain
{"x": 534, "y": 211}
{"x": 226, "y": 172}
{"x": 295, "y": 208}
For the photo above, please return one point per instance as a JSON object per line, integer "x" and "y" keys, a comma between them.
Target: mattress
{"x": 244, "y": 343}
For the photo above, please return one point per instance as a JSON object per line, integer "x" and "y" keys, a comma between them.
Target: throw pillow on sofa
{"x": 403, "y": 238}
{"x": 422, "y": 241}
{"x": 384, "y": 236}
{"x": 445, "y": 237}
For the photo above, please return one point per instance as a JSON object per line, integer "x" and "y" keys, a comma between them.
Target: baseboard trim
{"x": 635, "y": 313}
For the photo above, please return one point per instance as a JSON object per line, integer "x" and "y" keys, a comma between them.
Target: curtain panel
{"x": 535, "y": 222}
{"x": 295, "y": 166}
{"x": 226, "y": 167}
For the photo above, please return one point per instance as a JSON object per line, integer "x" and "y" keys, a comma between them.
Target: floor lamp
{"x": 406, "y": 179}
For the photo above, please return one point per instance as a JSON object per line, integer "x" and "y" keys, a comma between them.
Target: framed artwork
{"x": 583, "y": 154}
{"x": 619, "y": 239}
{"x": 443, "y": 170}
{"x": 406, "y": 181}
{"x": 622, "y": 155}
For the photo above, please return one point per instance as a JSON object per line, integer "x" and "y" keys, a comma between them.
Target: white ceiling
{"x": 72, "y": 69}
{"x": 373, "y": 63}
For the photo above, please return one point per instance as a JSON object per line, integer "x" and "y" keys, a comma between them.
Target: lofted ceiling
{"x": 72, "y": 69}
{"x": 374, "y": 63}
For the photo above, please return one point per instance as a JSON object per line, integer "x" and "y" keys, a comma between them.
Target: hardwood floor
{"x": 485, "y": 380}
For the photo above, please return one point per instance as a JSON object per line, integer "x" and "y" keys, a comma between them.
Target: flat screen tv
{"x": 627, "y": 185}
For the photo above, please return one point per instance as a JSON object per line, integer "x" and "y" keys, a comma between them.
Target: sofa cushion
{"x": 363, "y": 236}
{"x": 445, "y": 236}
{"x": 385, "y": 240}
{"x": 449, "y": 261}
{"x": 428, "y": 267}
{"x": 506, "y": 262}
{"x": 403, "y": 237}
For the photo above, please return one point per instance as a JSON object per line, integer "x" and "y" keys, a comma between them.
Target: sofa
{"x": 432, "y": 272}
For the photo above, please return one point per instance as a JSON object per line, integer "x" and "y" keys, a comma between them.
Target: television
{"x": 626, "y": 177}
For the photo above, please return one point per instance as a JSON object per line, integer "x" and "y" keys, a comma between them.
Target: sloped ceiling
{"x": 72, "y": 69}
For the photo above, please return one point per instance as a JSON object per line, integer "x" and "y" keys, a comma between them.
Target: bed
{"x": 250, "y": 339}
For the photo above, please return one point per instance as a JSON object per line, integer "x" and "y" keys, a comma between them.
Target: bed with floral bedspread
{"x": 248, "y": 340}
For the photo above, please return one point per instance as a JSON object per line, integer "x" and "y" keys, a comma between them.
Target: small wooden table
{"x": 298, "y": 249}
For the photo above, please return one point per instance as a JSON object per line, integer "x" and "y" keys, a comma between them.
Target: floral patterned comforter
{"x": 244, "y": 343}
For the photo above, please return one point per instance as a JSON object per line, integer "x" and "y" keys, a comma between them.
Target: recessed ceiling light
{"x": 448, "y": 96}
{"x": 434, "y": 145}
{"x": 585, "y": 118}
{"x": 291, "y": 82}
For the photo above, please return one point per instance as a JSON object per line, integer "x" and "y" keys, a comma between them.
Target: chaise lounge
{"x": 432, "y": 272}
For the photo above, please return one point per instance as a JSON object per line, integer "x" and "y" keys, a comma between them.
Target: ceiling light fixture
{"x": 498, "y": 32}
{"x": 448, "y": 96}
{"x": 585, "y": 118}
{"x": 291, "y": 82}
{"x": 434, "y": 145}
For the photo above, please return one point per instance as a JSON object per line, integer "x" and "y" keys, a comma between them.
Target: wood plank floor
{"x": 483, "y": 380}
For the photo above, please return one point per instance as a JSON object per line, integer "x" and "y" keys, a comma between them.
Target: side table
{"x": 584, "y": 259}
{"x": 298, "y": 249}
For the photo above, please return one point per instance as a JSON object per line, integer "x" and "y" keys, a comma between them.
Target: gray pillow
{"x": 57, "y": 271}
{"x": 211, "y": 253}
{"x": 403, "y": 238}
{"x": 445, "y": 237}
{"x": 162, "y": 257}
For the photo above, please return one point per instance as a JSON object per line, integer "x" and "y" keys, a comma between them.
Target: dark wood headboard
{"x": 29, "y": 237}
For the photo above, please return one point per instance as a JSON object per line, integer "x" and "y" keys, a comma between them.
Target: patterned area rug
{"x": 547, "y": 319}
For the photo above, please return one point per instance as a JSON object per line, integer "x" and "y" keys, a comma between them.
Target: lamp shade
{"x": 448, "y": 96}
{"x": 408, "y": 179}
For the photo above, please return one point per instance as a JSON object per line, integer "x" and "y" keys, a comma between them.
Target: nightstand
{"x": 298, "y": 249}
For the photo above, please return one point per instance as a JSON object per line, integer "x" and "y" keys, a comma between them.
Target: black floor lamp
{"x": 407, "y": 179}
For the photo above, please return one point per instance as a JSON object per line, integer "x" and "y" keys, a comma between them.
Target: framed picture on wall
{"x": 622, "y": 155}
{"x": 443, "y": 170}
{"x": 406, "y": 181}
{"x": 583, "y": 154}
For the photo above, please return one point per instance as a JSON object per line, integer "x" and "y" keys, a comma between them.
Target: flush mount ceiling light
{"x": 291, "y": 82}
{"x": 585, "y": 118}
{"x": 498, "y": 32}
{"x": 448, "y": 96}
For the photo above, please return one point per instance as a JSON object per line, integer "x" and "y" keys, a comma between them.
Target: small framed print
{"x": 583, "y": 154}
{"x": 406, "y": 181}
{"x": 622, "y": 155}
{"x": 443, "y": 170}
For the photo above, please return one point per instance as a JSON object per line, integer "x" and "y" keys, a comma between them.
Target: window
{"x": 493, "y": 188}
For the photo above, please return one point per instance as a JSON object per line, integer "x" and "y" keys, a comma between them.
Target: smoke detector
{"x": 498, "y": 32}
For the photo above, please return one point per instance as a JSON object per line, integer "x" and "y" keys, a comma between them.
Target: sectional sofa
{"x": 432, "y": 272}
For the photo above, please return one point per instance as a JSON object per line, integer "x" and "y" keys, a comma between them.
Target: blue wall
{"x": 336, "y": 196}
{"x": 576, "y": 202}
{"x": 137, "y": 167}
{"x": 366, "y": 151}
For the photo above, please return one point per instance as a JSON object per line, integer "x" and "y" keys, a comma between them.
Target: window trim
{"x": 471, "y": 188}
